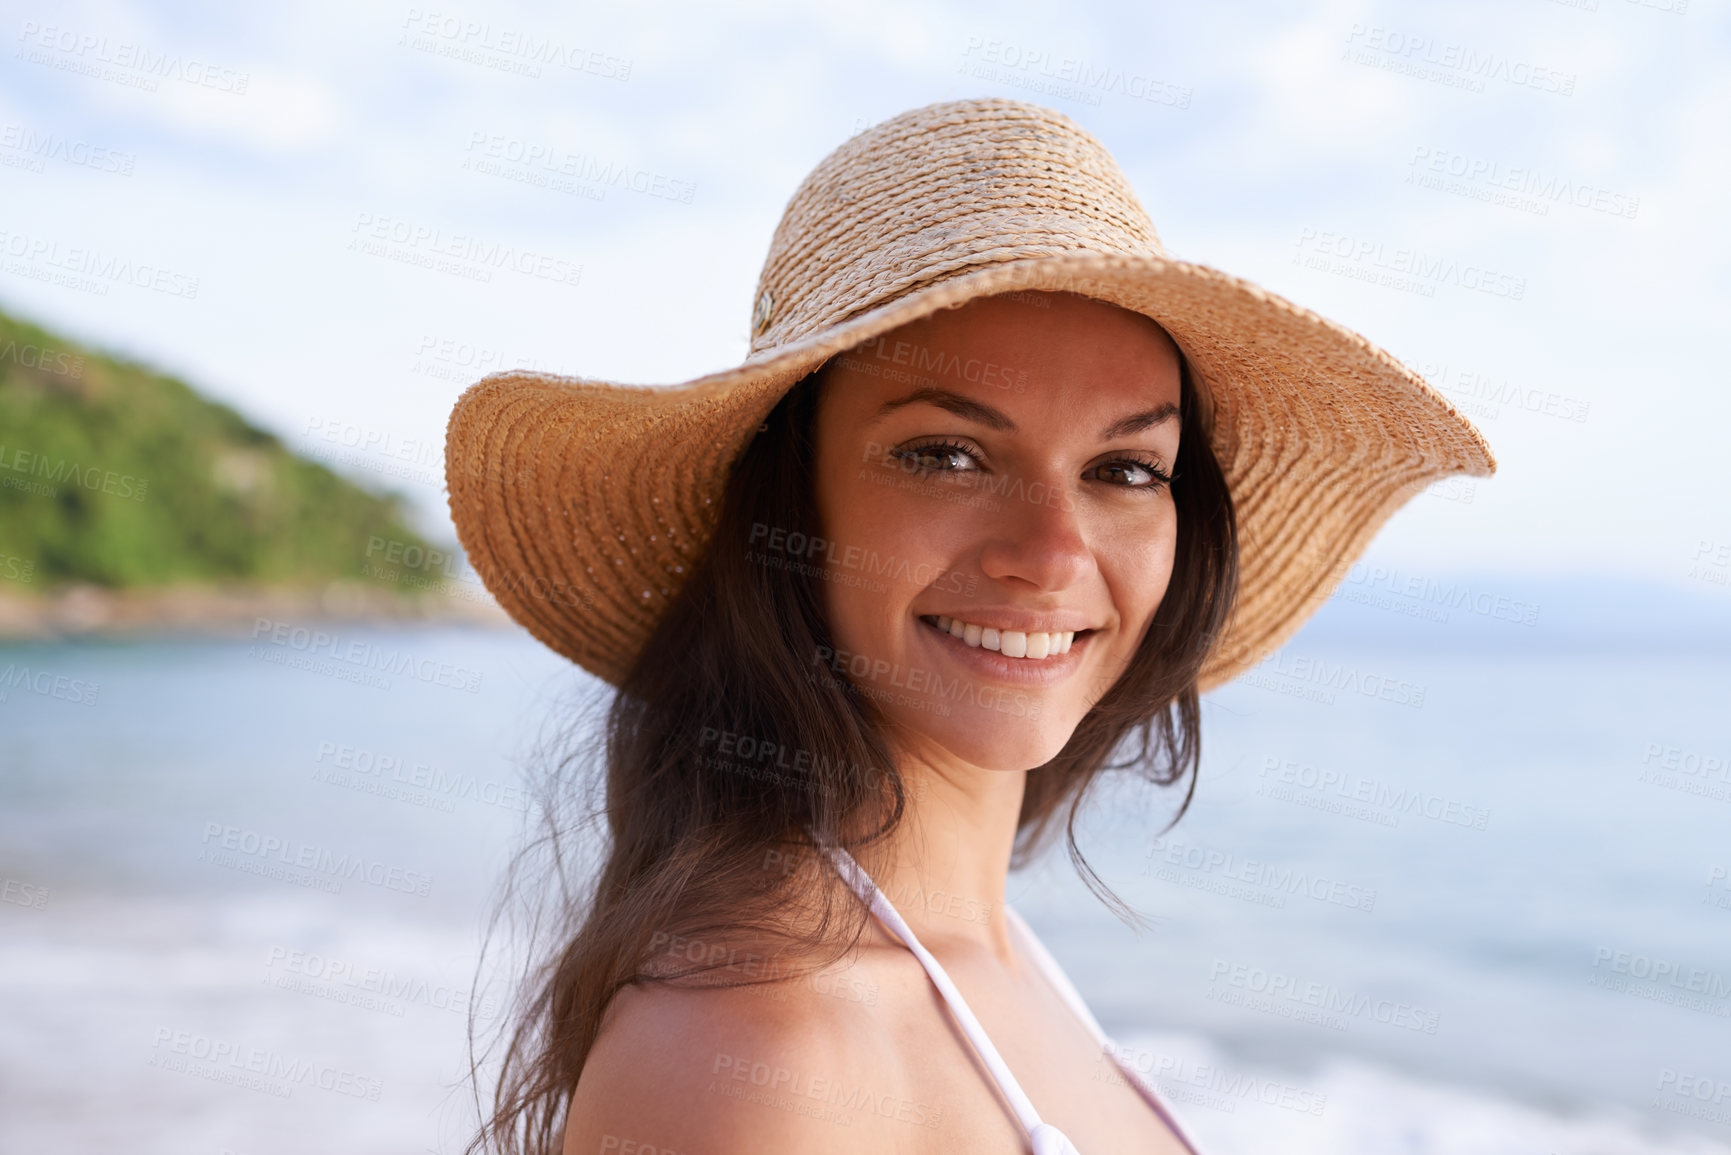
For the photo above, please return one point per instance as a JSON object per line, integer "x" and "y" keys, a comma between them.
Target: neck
{"x": 950, "y": 855}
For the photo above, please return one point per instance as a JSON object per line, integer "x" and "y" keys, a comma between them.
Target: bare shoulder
{"x": 766, "y": 1068}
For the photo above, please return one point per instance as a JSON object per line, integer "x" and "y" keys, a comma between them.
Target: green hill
{"x": 118, "y": 476}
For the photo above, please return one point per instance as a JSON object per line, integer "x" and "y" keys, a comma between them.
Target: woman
{"x": 1000, "y": 490}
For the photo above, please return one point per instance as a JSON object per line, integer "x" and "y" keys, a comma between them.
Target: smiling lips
{"x": 1010, "y": 643}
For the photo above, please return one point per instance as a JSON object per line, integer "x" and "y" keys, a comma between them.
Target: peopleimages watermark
{"x": 1254, "y": 880}
{"x": 417, "y": 569}
{"x": 370, "y": 988}
{"x": 30, "y": 149}
{"x": 418, "y": 783}
{"x": 384, "y": 443}
{"x": 801, "y": 1093}
{"x": 1408, "y": 270}
{"x": 624, "y": 1146}
{"x": 430, "y": 560}
{"x": 1453, "y": 65}
{"x": 755, "y": 756}
{"x": 1457, "y": 488}
{"x": 17, "y": 892}
{"x": 88, "y": 270}
{"x": 877, "y": 356}
{"x": 1697, "y": 1096}
{"x": 1662, "y": 980}
{"x": 1673, "y": 767}
{"x": 561, "y": 170}
{"x": 1485, "y": 396}
{"x": 451, "y": 359}
{"x": 1718, "y": 887}
{"x": 712, "y": 956}
{"x": 1202, "y": 1084}
{"x": 1711, "y": 562}
{"x": 879, "y": 678}
{"x": 419, "y": 461}
{"x": 1356, "y": 796}
{"x": 353, "y": 659}
{"x": 1304, "y": 1000}
{"x": 906, "y": 896}
{"x": 46, "y": 471}
{"x": 1513, "y": 186}
{"x": 56, "y": 361}
{"x": 303, "y": 863}
{"x": 254, "y": 1068}
{"x": 17, "y": 569}
{"x": 890, "y": 465}
{"x": 456, "y": 254}
{"x": 882, "y": 468}
{"x": 1067, "y": 77}
{"x": 1366, "y": 584}
{"x": 1318, "y": 679}
{"x": 47, "y": 684}
{"x": 1670, "y": 7}
{"x": 841, "y": 563}
{"x": 503, "y": 49}
{"x": 122, "y": 62}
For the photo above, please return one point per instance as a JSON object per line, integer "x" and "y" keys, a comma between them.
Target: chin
{"x": 993, "y": 741}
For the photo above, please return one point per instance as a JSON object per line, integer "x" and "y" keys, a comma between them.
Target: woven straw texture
{"x": 582, "y": 503}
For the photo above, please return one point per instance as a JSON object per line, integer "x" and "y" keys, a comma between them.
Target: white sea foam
{"x": 169, "y": 1027}
{"x": 1350, "y": 1107}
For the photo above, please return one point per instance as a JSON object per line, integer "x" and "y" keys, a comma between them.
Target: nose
{"x": 1037, "y": 538}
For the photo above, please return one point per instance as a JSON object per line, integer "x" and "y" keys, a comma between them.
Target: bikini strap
{"x": 1108, "y": 1048}
{"x": 1044, "y": 1138}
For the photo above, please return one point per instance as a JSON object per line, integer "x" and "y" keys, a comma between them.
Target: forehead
{"x": 1025, "y": 319}
{"x": 1040, "y": 350}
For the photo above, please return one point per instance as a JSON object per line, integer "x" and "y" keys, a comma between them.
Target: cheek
{"x": 1139, "y": 570}
{"x": 860, "y": 529}
{"x": 887, "y": 546}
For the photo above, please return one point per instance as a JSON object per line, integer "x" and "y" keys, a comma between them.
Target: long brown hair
{"x": 728, "y": 746}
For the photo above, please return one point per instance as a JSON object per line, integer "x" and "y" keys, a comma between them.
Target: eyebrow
{"x": 983, "y": 414}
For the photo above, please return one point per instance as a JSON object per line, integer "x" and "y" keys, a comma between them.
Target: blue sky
{"x": 283, "y": 173}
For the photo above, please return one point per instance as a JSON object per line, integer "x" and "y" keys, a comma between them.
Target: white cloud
{"x": 279, "y": 112}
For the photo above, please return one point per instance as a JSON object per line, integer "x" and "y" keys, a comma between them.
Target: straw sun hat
{"x": 583, "y": 504}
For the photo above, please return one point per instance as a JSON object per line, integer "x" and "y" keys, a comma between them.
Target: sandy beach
{"x": 86, "y": 611}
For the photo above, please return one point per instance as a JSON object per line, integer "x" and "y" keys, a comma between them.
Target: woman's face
{"x": 999, "y": 472}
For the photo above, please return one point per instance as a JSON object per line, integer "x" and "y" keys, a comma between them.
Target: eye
{"x": 945, "y": 456}
{"x": 936, "y": 457}
{"x": 1131, "y": 473}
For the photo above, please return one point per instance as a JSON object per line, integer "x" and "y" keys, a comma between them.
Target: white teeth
{"x": 1011, "y": 643}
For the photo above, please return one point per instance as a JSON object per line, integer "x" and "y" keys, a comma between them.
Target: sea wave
{"x": 1347, "y": 1106}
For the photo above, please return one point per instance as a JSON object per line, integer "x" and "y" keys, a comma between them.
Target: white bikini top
{"x": 1044, "y": 1138}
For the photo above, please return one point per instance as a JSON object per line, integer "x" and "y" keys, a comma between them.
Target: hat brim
{"x": 583, "y": 504}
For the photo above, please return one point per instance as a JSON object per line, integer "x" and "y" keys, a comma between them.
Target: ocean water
{"x": 1452, "y": 882}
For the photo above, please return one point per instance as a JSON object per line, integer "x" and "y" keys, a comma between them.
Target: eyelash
{"x": 1161, "y": 480}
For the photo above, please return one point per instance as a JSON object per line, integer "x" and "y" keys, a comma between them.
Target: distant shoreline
{"x": 87, "y": 611}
